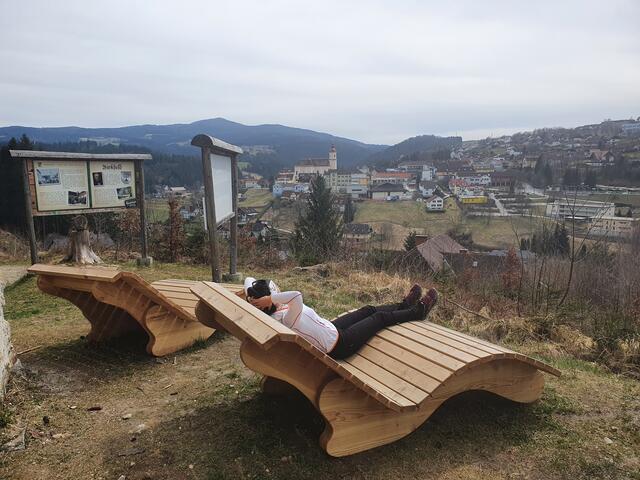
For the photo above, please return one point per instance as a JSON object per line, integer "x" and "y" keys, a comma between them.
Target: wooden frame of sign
{"x": 208, "y": 146}
{"x": 38, "y": 202}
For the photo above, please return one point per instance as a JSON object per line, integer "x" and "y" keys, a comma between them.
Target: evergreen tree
{"x": 25, "y": 143}
{"x": 591, "y": 178}
{"x": 562, "y": 241}
{"x": 547, "y": 175}
{"x": 540, "y": 163}
{"x": 349, "y": 210}
{"x": 319, "y": 230}
{"x": 571, "y": 177}
{"x": 410, "y": 241}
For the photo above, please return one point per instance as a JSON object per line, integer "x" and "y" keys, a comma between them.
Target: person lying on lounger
{"x": 349, "y": 332}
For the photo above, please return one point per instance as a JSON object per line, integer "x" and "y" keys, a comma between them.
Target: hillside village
{"x": 253, "y": 240}
{"x": 552, "y": 173}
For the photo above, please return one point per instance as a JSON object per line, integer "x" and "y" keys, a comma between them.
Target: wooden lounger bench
{"x": 117, "y": 303}
{"x": 386, "y": 390}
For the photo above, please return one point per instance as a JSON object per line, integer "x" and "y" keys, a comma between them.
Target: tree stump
{"x": 79, "y": 247}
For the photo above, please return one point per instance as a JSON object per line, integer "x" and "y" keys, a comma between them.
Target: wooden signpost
{"x": 220, "y": 175}
{"x": 64, "y": 183}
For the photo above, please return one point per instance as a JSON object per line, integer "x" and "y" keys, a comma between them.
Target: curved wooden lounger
{"x": 117, "y": 303}
{"x": 386, "y": 390}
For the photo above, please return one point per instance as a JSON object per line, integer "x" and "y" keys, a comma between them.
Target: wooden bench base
{"x": 384, "y": 391}
{"x": 128, "y": 305}
{"x": 355, "y": 421}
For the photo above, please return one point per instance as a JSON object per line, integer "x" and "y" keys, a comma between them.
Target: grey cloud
{"x": 378, "y": 71}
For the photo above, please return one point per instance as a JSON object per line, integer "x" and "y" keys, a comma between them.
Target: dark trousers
{"x": 357, "y": 327}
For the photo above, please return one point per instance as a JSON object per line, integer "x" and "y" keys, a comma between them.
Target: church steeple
{"x": 333, "y": 158}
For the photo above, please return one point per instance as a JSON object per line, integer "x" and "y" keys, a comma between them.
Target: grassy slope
{"x": 497, "y": 232}
{"x": 206, "y": 418}
{"x": 256, "y": 198}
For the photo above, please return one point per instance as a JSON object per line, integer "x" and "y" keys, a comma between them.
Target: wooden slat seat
{"x": 117, "y": 303}
{"x": 384, "y": 391}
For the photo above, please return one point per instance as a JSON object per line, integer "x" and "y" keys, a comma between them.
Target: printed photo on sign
{"x": 97, "y": 179}
{"x": 77, "y": 198}
{"x": 61, "y": 185}
{"x": 111, "y": 183}
{"x": 48, "y": 176}
{"x": 124, "y": 192}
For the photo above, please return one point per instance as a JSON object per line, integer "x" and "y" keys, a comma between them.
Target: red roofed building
{"x": 456, "y": 185}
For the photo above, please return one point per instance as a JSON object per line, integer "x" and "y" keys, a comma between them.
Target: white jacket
{"x": 303, "y": 320}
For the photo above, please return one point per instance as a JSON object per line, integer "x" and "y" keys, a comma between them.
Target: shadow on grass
{"x": 75, "y": 364}
{"x": 277, "y": 437}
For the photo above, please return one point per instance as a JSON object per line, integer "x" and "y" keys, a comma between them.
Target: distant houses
{"x": 357, "y": 232}
{"x": 387, "y": 191}
{"x": 435, "y": 203}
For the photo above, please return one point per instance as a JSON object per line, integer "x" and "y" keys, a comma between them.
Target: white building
{"x": 426, "y": 170}
{"x": 477, "y": 180}
{"x": 580, "y": 209}
{"x": 280, "y": 188}
{"x": 353, "y": 183}
{"x": 427, "y": 188}
{"x": 317, "y": 166}
{"x": 435, "y": 204}
{"x": 617, "y": 227}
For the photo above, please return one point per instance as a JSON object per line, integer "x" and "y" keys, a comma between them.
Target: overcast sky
{"x": 376, "y": 71}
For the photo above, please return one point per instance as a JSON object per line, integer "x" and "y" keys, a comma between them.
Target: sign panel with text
{"x": 112, "y": 184}
{"x": 61, "y": 185}
{"x": 222, "y": 186}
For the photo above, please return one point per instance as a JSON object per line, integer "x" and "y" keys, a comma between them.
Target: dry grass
{"x": 205, "y": 417}
{"x": 256, "y": 197}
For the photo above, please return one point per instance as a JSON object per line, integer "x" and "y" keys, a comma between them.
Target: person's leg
{"x": 407, "y": 302}
{"x": 348, "y": 319}
{"x": 352, "y": 338}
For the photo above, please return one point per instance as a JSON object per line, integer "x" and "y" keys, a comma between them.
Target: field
{"x": 199, "y": 414}
{"x": 394, "y": 220}
{"x": 157, "y": 210}
{"x": 256, "y": 197}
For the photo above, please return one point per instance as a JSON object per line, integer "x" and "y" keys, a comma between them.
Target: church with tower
{"x": 316, "y": 166}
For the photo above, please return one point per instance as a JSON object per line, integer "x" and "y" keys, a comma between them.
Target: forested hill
{"x": 413, "y": 145}
{"x": 268, "y": 147}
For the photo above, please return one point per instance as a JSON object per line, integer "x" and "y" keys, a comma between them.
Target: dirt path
{"x": 10, "y": 274}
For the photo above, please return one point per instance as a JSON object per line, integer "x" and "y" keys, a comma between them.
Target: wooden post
{"x": 33, "y": 248}
{"x": 233, "y": 246}
{"x": 143, "y": 216}
{"x": 210, "y": 145}
{"x": 211, "y": 214}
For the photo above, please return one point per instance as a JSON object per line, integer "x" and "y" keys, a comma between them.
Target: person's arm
{"x": 293, "y": 300}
